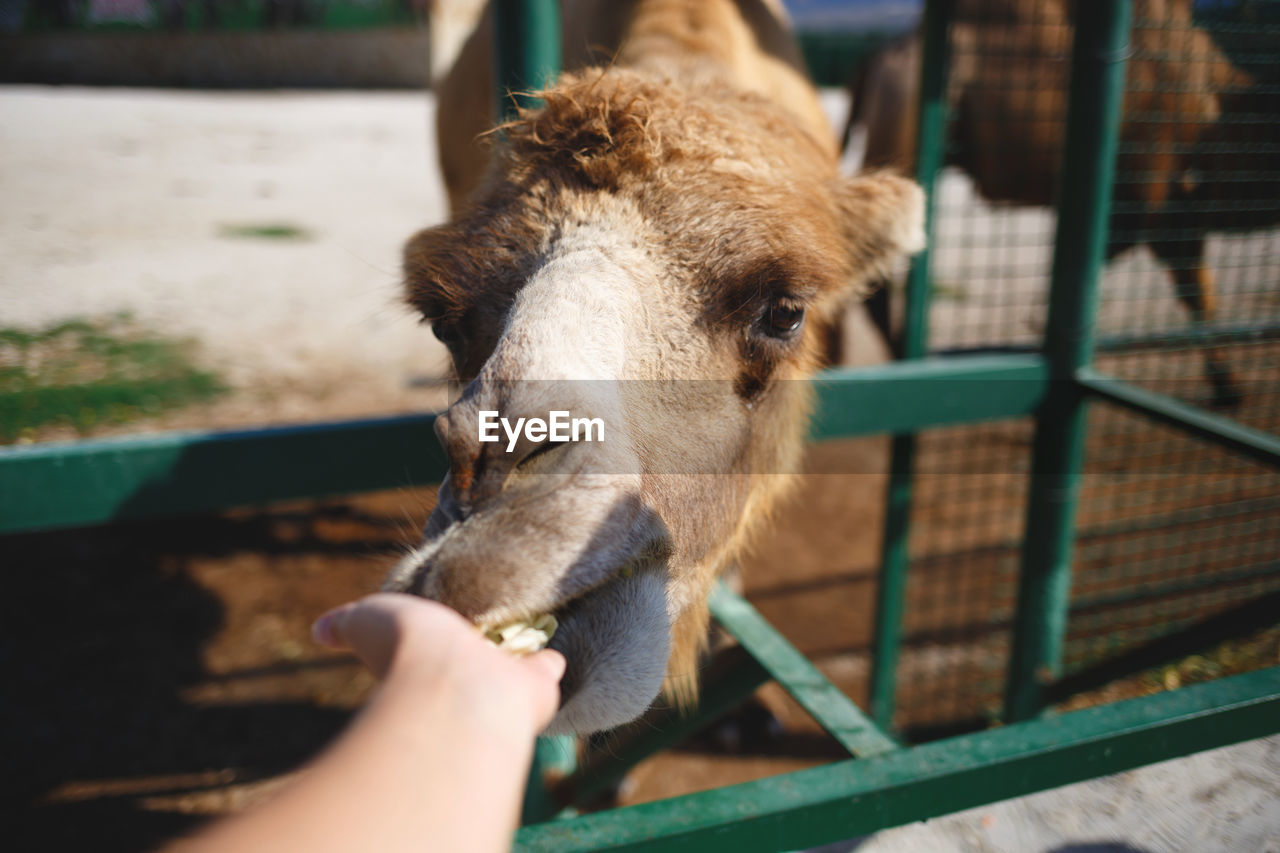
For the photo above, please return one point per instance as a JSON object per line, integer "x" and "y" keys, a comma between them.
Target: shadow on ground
{"x": 155, "y": 670}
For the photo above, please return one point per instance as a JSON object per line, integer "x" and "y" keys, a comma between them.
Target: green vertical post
{"x": 1088, "y": 171}
{"x": 526, "y": 53}
{"x": 555, "y": 756}
{"x": 931, "y": 141}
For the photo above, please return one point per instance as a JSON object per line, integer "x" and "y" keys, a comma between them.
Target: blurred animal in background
{"x": 662, "y": 245}
{"x": 450, "y": 23}
{"x": 1194, "y": 155}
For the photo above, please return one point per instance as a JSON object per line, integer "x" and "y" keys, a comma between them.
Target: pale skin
{"x": 438, "y": 758}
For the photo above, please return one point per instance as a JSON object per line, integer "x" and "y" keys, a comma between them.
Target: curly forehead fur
{"x": 732, "y": 186}
{"x": 725, "y": 168}
{"x": 613, "y": 126}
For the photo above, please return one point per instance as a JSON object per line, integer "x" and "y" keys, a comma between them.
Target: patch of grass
{"x": 84, "y": 373}
{"x": 265, "y": 231}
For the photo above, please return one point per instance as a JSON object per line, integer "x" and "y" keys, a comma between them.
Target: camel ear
{"x": 883, "y": 219}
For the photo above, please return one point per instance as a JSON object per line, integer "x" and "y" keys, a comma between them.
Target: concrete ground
{"x": 127, "y": 200}
{"x": 1221, "y": 801}
{"x": 124, "y": 200}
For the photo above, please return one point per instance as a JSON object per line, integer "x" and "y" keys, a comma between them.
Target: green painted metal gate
{"x": 885, "y": 782}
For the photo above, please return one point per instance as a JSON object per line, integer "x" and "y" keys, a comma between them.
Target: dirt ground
{"x": 160, "y": 673}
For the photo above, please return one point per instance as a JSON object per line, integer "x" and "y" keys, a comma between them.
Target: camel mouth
{"x": 649, "y": 547}
{"x": 591, "y": 552}
{"x": 649, "y": 558}
{"x": 612, "y": 629}
{"x": 533, "y": 632}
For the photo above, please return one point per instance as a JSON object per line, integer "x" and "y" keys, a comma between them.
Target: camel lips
{"x": 523, "y": 636}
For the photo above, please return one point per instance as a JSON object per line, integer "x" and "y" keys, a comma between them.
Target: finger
{"x": 327, "y": 630}
{"x": 371, "y": 627}
{"x": 376, "y": 626}
{"x": 548, "y": 663}
{"x": 546, "y": 669}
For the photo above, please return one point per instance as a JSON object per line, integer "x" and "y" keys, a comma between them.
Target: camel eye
{"x": 782, "y": 319}
{"x": 447, "y": 333}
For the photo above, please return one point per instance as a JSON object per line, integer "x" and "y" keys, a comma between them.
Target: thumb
{"x": 545, "y": 669}
{"x": 548, "y": 663}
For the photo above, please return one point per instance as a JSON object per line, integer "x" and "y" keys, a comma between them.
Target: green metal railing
{"x": 1093, "y": 123}
{"x": 56, "y": 485}
{"x": 884, "y": 783}
{"x": 892, "y": 589}
{"x": 859, "y": 796}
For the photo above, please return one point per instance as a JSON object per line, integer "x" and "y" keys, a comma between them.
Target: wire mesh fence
{"x": 1171, "y": 530}
{"x": 968, "y": 521}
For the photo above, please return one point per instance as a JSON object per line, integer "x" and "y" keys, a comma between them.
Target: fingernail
{"x": 324, "y": 630}
{"x": 551, "y": 661}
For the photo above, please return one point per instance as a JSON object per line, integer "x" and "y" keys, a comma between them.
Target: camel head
{"x": 662, "y": 261}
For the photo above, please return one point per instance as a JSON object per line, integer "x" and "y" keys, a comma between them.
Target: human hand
{"x": 411, "y": 643}
{"x": 441, "y": 752}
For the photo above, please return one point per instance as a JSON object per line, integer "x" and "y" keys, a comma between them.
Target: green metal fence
{"x": 1104, "y": 572}
{"x": 1171, "y": 529}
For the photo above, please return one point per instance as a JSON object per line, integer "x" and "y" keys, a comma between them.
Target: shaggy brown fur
{"x": 700, "y": 156}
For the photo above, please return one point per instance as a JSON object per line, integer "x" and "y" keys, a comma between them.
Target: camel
{"x": 451, "y": 22}
{"x": 1008, "y": 93}
{"x": 659, "y": 246}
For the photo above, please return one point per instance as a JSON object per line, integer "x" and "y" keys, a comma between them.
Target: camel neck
{"x": 683, "y": 39}
{"x": 741, "y": 44}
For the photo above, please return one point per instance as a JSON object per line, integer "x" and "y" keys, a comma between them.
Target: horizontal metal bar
{"x": 907, "y": 396}
{"x": 851, "y": 798}
{"x": 1258, "y": 445}
{"x": 834, "y": 711}
{"x": 68, "y": 484}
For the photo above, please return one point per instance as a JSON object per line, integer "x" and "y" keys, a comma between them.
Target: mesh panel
{"x": 967, "y": 522}
{"x": 1171, "y": 529}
